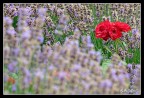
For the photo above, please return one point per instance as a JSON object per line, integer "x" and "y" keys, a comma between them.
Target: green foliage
{"x": 14, "y": 75}
{"x": 105, "y": 65}
{"x": 15, "y": 20}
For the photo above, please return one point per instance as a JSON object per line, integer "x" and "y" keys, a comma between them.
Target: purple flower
{"x": 65, "y": 29}
{"x": 88, "y": 39}
{"x": 39, "y": 73}
{"x": 16, "y": 51}
{"x": 83, "y": 82}
{"x": 85, "y": 19}
{"x": 63, "y": 19}
{"x": 29, "y": 11}
{"x": 115, "y": 78}
{"x": 26, "y": 35}
{"x": 98, "y": 14}
{"x": 76, "y": 14}
{"x": 90, "y": 45}
{"x": 11, "y": 31}
{"x": 5, "y": 78}
{"x": 51, "y": 67}
{"x": 77, "y": 67}
{"x": 132, "y": 80}
{"x": 99, "y": 57}
{"x": 11, "y": 5}
{"x": 32, "y": 19}
{"x": 11, "y": 66}
{"x": 129, "y": 66}
{"x": 134, "y": 31}
{"x": 27, "y": 73}
{"x": 55, "y": 87}
{"x": 42, "y": 11}
{"x": 91, "y": 20}
{"x": 120, "y": 63}
{"x": 138, "y": 66}
{"x": 84, "y": 74}
{"x": 135, "y": 71}
{"x": 62, "y": 75}
{"x": 92, "y": 63}
{"x": 24, "y": 11}
{"x": 70, "y": 10}
{"x": 121, "y": 10}
{"x": 113, "y": 71}
{"x": 26, "y": 81}
{"x": 127, "y": 75}
{"x": 52, "y": 8}
{"x": 138, "y": 37}
{"x": 56, "y": 31}
{"x": 102, "y": 84}
{"x": 6, "y": 4}
{"x": 137, "y": 93}
{"x": 8, "y": 20}
{"x": 92, "y": 52}
{"x": 98, "y": 53}
{"x": 59, "y": 12}
{"x": 41, "y": 39}
{"x": 86, "y": 60}
{"x": 108, "y": 83}
{"x": 130, "y": 38}
{"x": 14, "y": 88}
{"x": 50, "y": 53}
{"x": 76, "y": 30}
{"x": 87, "y": 86}
{"x": 121, "y": 78}
{"x": 15, "y": 14}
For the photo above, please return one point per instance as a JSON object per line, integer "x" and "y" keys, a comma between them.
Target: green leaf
{"x": 15, "y": 76}
{"x": 124, "y": 44}
{"x": 15, "y": 20}
{"x": 105, "y": 65}
{"x": 107, "y": 49}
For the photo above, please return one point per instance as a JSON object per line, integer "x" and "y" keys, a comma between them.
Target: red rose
{"x": 123, "y": 27}
{"x": 113, "y": 30}
{"x": 102, "y": 30}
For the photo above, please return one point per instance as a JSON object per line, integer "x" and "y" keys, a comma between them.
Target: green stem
{"x": 116, "y": 43}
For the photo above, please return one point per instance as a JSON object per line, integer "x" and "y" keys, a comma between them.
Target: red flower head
{"x": 102, "y": 30}
{"x": 113, "y": 30}
{"x": 123, "y": 27}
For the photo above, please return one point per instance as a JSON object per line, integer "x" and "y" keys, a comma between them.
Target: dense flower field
{"x": 72, "y": 48}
